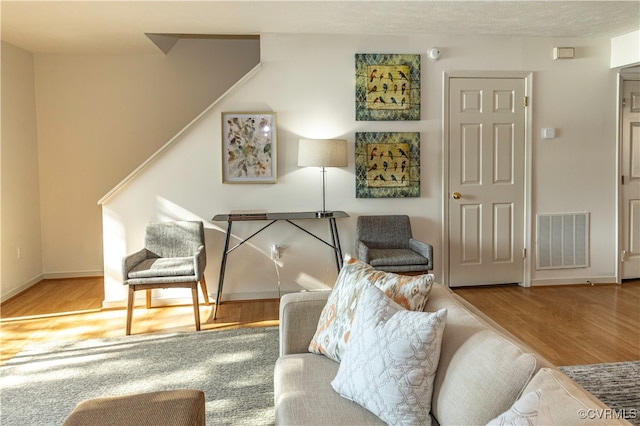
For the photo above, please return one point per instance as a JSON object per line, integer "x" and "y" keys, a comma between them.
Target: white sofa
{"x": 482, "y": 371}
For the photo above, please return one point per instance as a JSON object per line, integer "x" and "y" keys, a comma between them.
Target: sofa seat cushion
{"x": 568, "y": 403}
{"x": 161, "y": 267}
{"x": 303, "y": 394}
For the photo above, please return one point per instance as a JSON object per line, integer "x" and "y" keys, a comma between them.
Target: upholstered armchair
{"x": 174, "y": 255}
{"x": 387, "y": 244}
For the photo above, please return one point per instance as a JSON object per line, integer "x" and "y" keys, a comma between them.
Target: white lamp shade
{"x": 322, "y": 153}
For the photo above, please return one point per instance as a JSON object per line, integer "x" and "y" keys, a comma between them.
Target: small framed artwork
{"x": 387, "y": 87}
{"x": 249, "y": 148}
{"x": 387, "y": 164}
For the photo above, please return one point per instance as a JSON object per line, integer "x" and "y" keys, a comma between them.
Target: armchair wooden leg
{"x": 203, "y": 284}
{"x": 196, "y": 306}
{"x": 130, "y": 309}
{"x": 148, "y": 298}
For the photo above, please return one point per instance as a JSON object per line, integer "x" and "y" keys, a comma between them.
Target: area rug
{"x": 42, "y": 384}
{"x": 616, "y": 384}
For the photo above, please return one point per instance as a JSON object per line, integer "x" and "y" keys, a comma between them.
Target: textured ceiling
{"x": 118, "y": 27}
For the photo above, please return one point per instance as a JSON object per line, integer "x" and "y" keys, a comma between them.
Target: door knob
{"x": 456, "y": 195}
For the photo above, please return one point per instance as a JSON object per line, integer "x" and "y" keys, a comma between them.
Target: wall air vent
{"x": 562, "y": 241}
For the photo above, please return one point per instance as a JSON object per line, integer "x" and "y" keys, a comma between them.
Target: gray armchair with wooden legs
{"x": 174, "y": 255}
{"x": 386, "y": 243}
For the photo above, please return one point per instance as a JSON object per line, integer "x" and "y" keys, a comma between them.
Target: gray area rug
{"x": 616, "y": 384}
{"x": 42, "y": 384}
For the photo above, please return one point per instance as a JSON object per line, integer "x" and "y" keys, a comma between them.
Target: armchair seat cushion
{"x": 163, "y": 267}
{"x": 395, "y": 257}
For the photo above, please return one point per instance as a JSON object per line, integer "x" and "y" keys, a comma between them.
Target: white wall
{"x": 309, "y": 82}
{"x": 21, "y": 257}
{"x": 575, "y": 172}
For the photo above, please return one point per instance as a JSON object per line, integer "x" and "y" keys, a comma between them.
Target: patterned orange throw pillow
{"x": 334, "y": 326}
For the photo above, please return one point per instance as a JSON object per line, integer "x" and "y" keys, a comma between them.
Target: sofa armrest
{"x": 299, "y": 315}
{"x": 130, "y": 261}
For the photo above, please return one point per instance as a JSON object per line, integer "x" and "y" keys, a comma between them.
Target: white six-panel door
{"x": 630, "y": 189}
{"x": 486, "y": 180}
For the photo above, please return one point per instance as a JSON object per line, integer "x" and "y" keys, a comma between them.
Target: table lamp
{"x": 322, "y": 153}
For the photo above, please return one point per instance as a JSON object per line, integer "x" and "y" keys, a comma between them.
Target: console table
{"x": 272, "y": 218}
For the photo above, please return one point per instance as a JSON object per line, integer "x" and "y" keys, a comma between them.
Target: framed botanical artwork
{"x": 387, "y": 87}
{"x": 249, "y": 148}
{"x": 387, "y": 164}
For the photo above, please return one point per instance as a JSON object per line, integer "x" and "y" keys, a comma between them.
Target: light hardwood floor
{"x": 567, "y": 324}
{"x": 71, "y": 310}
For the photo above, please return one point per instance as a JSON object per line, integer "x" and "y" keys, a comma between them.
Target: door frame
{"x": 631, "y": 73}
{"x": 527, "y": 76}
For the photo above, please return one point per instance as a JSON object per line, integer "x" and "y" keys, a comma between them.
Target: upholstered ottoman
{"x": 174, "y": 407}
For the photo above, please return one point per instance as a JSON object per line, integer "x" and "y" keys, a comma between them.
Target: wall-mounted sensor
{"x": 433, "y": 54}
{"x": 548, "y": 133}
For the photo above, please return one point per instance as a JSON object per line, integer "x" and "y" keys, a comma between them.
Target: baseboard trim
{"x": 21, "y": 288}
{"x": 79, "y": 274}
{"x": 574, "y": 281}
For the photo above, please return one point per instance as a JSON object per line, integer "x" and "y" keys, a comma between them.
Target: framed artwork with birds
{"x": 387, "y": 164}
{"x": 387, "y": 87}
{"x": 249, "y": 147}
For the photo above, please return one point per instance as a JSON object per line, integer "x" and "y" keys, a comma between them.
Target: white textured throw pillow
{"x": 390, "y": 362}
{"x": 528, "y": 410}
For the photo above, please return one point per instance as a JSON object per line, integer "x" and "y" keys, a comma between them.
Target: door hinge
{"x": 622, "y": 180}
{"x": 524, "y": 253}
{"x": 525, "y": 101}
{"x": 624, "y": 102}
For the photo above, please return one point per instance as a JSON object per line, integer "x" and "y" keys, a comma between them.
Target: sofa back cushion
{"x": 481, "y": 372}
{"x": 482, "y": 379}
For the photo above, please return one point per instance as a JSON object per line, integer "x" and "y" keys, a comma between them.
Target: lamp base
{"x": 323, "y": 213}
